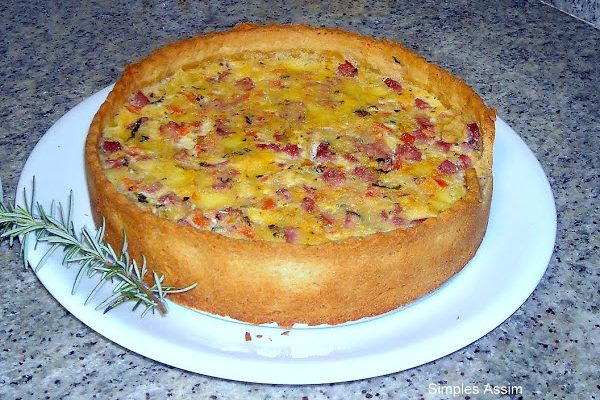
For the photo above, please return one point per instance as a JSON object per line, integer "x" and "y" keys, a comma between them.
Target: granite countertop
{"x": 537, "y": 66}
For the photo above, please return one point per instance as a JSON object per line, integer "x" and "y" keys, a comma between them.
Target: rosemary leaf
{"x": 87, "y": 249}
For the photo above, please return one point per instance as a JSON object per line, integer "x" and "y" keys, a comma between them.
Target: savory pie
{"x": 297, "y": 175}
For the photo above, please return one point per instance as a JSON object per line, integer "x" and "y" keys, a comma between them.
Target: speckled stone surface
{"x": 586, "y": 10}
{"x": 537, "y": 66}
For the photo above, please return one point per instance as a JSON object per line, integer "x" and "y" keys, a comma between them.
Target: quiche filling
{"x": 295, "y": 147}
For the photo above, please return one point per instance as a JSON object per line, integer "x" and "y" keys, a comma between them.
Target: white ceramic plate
{"x": 504, "y": 272}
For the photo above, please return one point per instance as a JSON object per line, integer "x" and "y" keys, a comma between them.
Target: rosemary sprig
{"x": 88, "y": 250}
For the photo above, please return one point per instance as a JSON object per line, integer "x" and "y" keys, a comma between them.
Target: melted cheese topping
{"x": 297, "y": 147}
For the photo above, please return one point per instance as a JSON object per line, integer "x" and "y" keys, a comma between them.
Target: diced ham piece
{"x": 384, "y": 215}
{"x": 222, "y": 183}
{"x": 324, "y": 151}
{"x": 347, "y": 69}
{"x": 447, "y": 167}
{"x": 350, "y": 157}
{"x": 408, "y": 152}
{"x": 293, "y": 111}
{"x": 351, "y": 219}
{"x": 270, "y": 146}
{"x": 392, "y": 84}
{"x": 309, "y": 190}
{"x": 116, "y": 163}
{"x": 290, "y": 234}
{"x": 399, "y": 221}
{"x": 386, "y": 164}
{"x": 169, "y": 198}
{"x": 308, "y": 204}
{"x": 110, "y": 146}
{"x": 424, "y": 122}
{"x": 327, "y": 218}
{"x": 366, "y": 174}
{"x": 139, "y": 100}
{"x": 420, "y": 136}
{"x": 182, "y": 156}
{"x": 221, "y": 128}
{"x": 245, "y": 83}
{"x": 474, "y": 133}
{"x": 375, "y": 150}
{"x": 421, "y": 104}
{"x": 292, "y": 149}
{"x": 443, "y": 146}
{"x": 466, "y": 147}
{"x": 284, "y": 194}
{"x": 334, "y": 177}
{"x": 150, "y": 188}
{"x": 222, "y": 76}
{"x": 171, "y": 130}
{"x": 464, "y": 161}
{"x": 214, "y": 165}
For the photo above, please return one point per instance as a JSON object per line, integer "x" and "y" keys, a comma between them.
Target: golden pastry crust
{"x": 329, "y": 283}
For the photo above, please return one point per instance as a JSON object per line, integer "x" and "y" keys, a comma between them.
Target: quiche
{"x": 296, "y": 174}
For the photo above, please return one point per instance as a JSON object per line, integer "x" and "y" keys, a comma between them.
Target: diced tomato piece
{"x": 440, "y": 182}
{"x": 199, "y": 219}
{"x": 393, "y": 84}
{"x": 247, "y": 231}
{"x": 133, "y": 109}
{"x": 383, "y": 127}
{"x": 268, "y": 203}
{"x": 407, "y": 138}
{"x": 175, "y": 110}
{"x": 130, "y": 183}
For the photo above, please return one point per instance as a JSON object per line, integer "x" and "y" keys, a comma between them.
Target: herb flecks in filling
{"x": 302, "y": 148}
